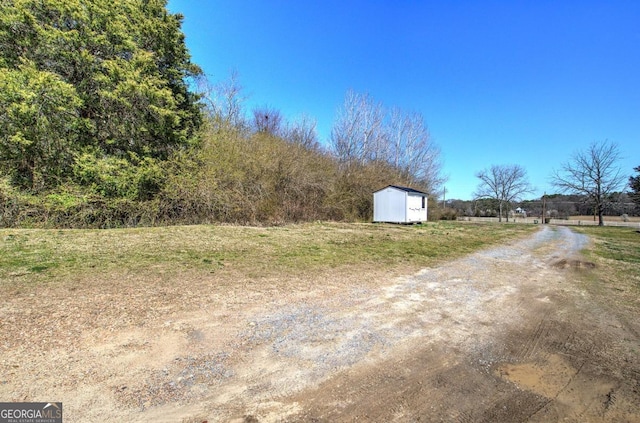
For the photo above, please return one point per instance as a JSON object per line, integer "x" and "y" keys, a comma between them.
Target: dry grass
{"x": 616, "y": 278}
{"x": 96, "y": 280}
{"x": 32, "y": 257}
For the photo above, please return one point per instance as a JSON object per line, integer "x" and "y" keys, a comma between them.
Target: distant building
{"x": 395, "y": 204}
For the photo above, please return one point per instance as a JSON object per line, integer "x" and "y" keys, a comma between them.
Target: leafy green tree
{"x": 118, "y": 68}
{"x": 39, "y": 125}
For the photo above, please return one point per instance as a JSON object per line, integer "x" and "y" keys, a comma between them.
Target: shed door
{"x": 416, "y": 208}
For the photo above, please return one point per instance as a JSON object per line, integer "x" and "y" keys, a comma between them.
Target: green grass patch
{"x": 616, "y": 243}
{"x": 616, "y": 252}
{"x": 39, "y": 254}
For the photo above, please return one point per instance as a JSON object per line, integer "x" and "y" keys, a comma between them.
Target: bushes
{"x": 9, "y": 203}
{"x": 69, "y": 210}
{"x": 256, "y": 179}
{"x": 449, "y": 214}
{"x": 438, "y": 213}
{"x": 110, "y": 177}
{"x": 230, "y": 176}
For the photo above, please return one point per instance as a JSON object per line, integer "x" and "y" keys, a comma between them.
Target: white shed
{"x": 395, "y": 204}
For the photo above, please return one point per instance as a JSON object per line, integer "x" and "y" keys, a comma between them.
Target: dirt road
{"x": 503, "y": 335}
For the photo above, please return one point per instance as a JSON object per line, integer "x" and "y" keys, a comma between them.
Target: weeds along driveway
{"x": 475, "y": 339}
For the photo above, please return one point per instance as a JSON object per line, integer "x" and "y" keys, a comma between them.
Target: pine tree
{"x": 107, "y": 78}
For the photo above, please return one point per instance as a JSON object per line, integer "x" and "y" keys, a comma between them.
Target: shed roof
{"x": 405, "y": 189}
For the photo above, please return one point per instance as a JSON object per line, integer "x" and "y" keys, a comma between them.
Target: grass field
{"x": 617, "y": 244}
{"x": 617, "y": 247}
{"x": 616, "y": 277}
{"x": 30, "y": 256}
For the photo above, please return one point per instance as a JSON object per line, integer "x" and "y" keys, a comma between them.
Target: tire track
{"x": 533, "y": 342}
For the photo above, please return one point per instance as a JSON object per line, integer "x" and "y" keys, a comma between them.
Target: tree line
{"x": 100, "y": 127}
{"x": 592, "y": 178}
{"x": 555, "y": 206}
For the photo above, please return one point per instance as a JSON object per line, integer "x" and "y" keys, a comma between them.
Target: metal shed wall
{"x": 389, "y": 205}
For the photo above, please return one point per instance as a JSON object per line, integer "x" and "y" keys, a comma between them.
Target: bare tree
{"x": 412, "y": 151}
{"x": 363, "y": 133}
{"x": 224, "y": 100}
{"x": 268, "y": 120}
{"x": 303, "y": 132}
{"x": 503, "y": 183}
{"x": 358, "y": 133}
{"x": 594, "y": 173}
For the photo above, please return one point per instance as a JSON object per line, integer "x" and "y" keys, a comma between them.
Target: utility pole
{"x": 444, "y": 197}
{"x": 544, "y": 212}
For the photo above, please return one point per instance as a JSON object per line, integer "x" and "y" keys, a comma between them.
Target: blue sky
{"x": 498, "y": 82}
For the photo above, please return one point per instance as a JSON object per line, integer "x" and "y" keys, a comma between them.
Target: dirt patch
{"x": 548, "y": 377}
{"x": 501, "y": 335}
